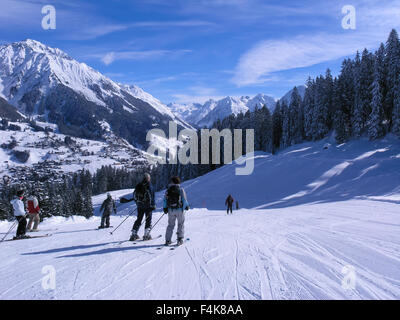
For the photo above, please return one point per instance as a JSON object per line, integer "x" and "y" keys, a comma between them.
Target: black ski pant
{"x": 105, "y": 220}
{"x": 229, "y": 209}
{"x": 21, "y": 230}
{"x": 140, "y": 213}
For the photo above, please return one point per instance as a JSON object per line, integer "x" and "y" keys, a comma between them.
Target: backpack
{"x": 142, "y": 194}
{"x": 174, "y": 200}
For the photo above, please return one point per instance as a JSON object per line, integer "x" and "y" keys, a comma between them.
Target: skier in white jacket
{"x": 20, "y": 214}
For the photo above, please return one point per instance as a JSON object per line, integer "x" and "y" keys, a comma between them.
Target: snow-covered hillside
{"x": 49, "y": 150}
{"x": 318, "y": 221}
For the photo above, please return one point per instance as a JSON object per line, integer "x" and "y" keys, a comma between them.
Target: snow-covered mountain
{"x": 193, "y": 112}
{"x": 212, "y": 110}
{"x": 46, "y": 82}
{"x": 139, "y": 93}
{"x": 234, "y": 105}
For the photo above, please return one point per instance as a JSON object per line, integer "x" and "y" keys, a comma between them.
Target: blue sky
{"x": 192, "y": 50}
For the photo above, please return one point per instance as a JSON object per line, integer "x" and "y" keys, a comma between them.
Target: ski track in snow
{"x": 290, "y": 253}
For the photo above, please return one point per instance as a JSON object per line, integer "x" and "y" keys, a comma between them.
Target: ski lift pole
{"x": 132, "y": 212}
{"x": 12, "y": 227}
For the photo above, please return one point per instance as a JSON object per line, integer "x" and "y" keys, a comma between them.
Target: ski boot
{"x": 179, "y": 241}
{"x": 147, "y": 235}
{"x": 24, "y": 236}
{"x": 167, "y": 243}
{"x": 134, "y": 236}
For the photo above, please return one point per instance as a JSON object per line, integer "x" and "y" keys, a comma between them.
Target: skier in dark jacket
{"x": 145, "y": 203}
{"x": 107, "y": 208}
{"x": 229, "y": 202}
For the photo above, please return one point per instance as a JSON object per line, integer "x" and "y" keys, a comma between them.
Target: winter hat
{"x": 20, "y": 193}
{"x": 175, "y": 180}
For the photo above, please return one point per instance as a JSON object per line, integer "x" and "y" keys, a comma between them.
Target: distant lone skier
{"x": 107, "y": 208}
{"x": 33, "y": 213}
{"x": 20, "y": 214}
{"x": 229, "y": 203}
{"x": 145, "y": 203}
{"x": 237, "y": 205}
{"x": 175, "y": 204}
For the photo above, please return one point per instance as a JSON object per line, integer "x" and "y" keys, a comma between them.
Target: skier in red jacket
{"x": 33, "y": 212}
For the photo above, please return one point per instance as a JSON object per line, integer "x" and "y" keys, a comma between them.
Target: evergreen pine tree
{"x": 375, "y": 122}
{"x": 392, "y": 70}
{"x": 277, "y": 125}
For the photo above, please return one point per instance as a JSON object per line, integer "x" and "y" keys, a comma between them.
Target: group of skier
{"x": 20, "y": 213}
{"x": 175, "y": 204}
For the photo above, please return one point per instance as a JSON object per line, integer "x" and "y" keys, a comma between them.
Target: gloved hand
{"x": 187, "y": 208}
{"x": 165, "y": 210}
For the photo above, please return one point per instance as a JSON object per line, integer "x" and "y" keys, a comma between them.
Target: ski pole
{"x": 123, "y": 221}
{"x": 12, "y": 227}
{"x": 157, "y": 222}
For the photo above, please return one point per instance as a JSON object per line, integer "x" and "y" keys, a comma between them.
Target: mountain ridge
{"x": 45, "y": 82}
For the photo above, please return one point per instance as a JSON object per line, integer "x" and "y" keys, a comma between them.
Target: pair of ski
{"x": 174, "y": 246}
{"x": 98, "y": 228}
{"x": 139, "y": 240}
{"x": 30, "y": 237}
{"x": 171, "y": 247}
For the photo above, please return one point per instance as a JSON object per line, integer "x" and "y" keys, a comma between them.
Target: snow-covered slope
{"x": 306, "y": 173}
{"x": 318, "y": 224}
{"x": 45, "y": 81}
{"x": 212, "y": 110}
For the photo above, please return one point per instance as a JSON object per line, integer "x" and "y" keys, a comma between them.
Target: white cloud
{"x": 110, "y": 57}
{"x": 374, "y": 24}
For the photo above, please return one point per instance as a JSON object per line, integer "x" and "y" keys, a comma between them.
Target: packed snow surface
{"x": 326, "y": 225}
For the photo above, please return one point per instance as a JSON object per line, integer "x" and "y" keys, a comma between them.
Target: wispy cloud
{"x": 271, "y": 56}
{"x": 256, "y": 65}
{"x": 110, "y": 57}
